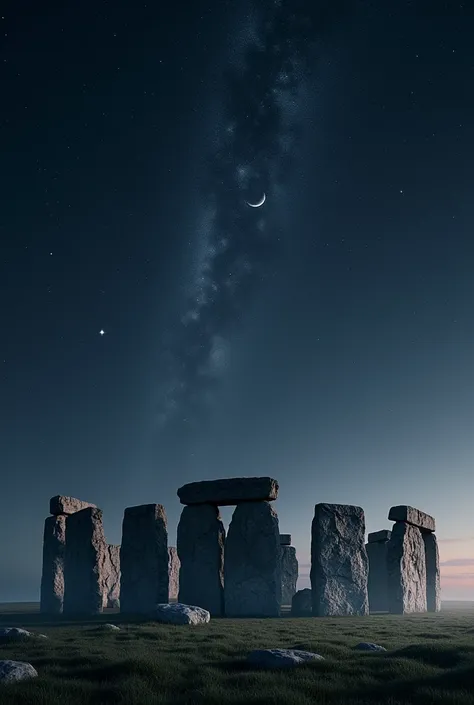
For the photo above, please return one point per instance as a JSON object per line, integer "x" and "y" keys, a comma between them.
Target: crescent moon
{"x": 258, "y": 204}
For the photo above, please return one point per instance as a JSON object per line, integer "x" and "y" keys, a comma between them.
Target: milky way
{"x": 236, "y": 245}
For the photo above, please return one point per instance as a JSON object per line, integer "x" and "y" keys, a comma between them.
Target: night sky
{"x": 156, "y": 329}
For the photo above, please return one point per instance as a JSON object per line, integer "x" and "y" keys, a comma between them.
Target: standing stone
{"x": 67, "y": 505}
{"x": 200, "y": 546}
{"x": 378, "y": 574}
{"x": 289, "y": 573}
{"x": 406, "y": 567}
{"x": 173, "y": 572}
{"x": 86, "y": 562}
{"x": 433, "y": 589}
{"x": 52, "y": 580}
{"x": 252, "y": 568}
{"x": 339, "y": 562}
{"x": 144, "y": 580}
{"x": 112, "y": 581}
{"x": 301, "y": 604}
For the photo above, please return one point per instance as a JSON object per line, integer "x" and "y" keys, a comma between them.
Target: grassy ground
{"x": 430, "y": 661}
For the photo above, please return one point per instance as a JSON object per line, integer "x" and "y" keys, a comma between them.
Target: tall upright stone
{"x": 339, "y": 562}
{"x": 144, "y": 580}
{"x": 378, "y": 575}
{"x": 406, "y": 565}
{"x": 86, "y": 562}
{"x": 52, "y": 579}
{"x": 433, "y": 588}
{"x": 252, "y": 567}
{"x": 200, "y": 546}
{"x": 289, "y": 573}
{"x": 112, "y": 581}
{"x": 174, "y": 565}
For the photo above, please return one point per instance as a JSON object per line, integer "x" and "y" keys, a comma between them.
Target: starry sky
{"x": 157, "y": 330}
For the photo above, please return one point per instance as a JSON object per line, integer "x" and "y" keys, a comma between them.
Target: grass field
{"x": 430, "y": 660}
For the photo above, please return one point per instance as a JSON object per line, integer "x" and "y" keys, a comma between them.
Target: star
{"x": 102, "y": 332}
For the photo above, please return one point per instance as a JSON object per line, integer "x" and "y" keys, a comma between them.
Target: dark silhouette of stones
{"x": 413, "y": 516}
{"x": 406, "y": 567}
{"x": 144, "y": 580}
{"x": 229, "y": 491}
{"x": 376, "y": 536}
{"x": 112, "y": 580}
{"x": 378, "y": 573}
{"x": 67, "y": 505}
{"x": 339, "y": 562}
{"x": 302, "y": 604}
{"x": 289, "y": 573}
{"x": 252, "y": 567}
{"x": 433, "y": 588}
{"x": 200, "y": 546}
{"x": 86, "y": 563}
{"x": 52, "y": 579}
{"x": 173, "y": 572}
{"x": 285, "y": 539}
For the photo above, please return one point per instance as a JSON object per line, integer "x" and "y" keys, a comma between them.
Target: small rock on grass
{"x": 109, "y": 628}
{"x": 12, "y": 671}
{"x": 368, "y": 646}
{"x": 18, "y": 634}
{"x": 179, "y": 613}
{"x": 281, "y": 658}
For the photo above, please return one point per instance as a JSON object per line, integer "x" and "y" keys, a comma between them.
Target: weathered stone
{"x": 406, "y": 566}
{"x": 281, "y": 658}
{"x": 301, "y": 604}
{"x": 339, "y": 562}
{"x": 252, "y": 568}
{"x": 229, "y": 491}
{"x": 108, "y": 628}
{"x": 433, "y": 588}
{"x": 112, "y": 578}
{"x": 86, "y": 562}
{"x": 285, "y": 539}
{"x": 144, "y": 577}
{"x": 289, "y": 573}
{"x": 378, "y": 576}
{"x": 369, "y": 646}
{"x": 200, "y": 546}
{"x": 52, "y": 578}
{"x": 67, "y": 505}
{"x": 376, "y": 536}
{"x": 413, "y": 516}
{"x": 174, "y": 565}
{"x": 177, "y": 613}
{"x": 13, "y": 671}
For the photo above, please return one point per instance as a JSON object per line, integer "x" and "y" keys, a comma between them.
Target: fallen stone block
{"x": 281, "y": 658}
{"x": 14, "y": 671}
{"x": 177, "y": 613}
{"x": 412, "y": 516}
{"x": 229, "y": 491}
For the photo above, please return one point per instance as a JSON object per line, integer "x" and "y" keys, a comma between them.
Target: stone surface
{"x": 67, "y": 505}
{"x": 433, "y": 588}
{"x": 376, "y": 536}
{"x": 177, "y": 613}
{"x": 200, "y": 546}
{"x": 112, "y": 578}
{"x": 378, "y": 576}
{"x": 108, "y": 628}
{"x": 86, "y": 563}
{"x": 174, "y": 565}
{"x": 301, "y": 604}
{"x": 144, "y": 577}
{"x": 252, "y": 567}
{"x": 13, "y": 671}
{"x": 368, "y": 646}
{"x": 406, "y": 568}
{"x": 289, "y": 573}
{"x": 229, "y": 491}
{"x": 8, "y": 634}
{"x": 285, "y": 539}
{"x": 410, "y": 515}
{"x": 52, "y": 578}
{"x": 281, "y": 658}
{"x": 339, "y": 562}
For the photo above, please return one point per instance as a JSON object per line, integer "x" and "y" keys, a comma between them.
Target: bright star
{"x": 102, "y": 332}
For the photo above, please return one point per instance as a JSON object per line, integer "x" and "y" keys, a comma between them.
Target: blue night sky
{"x": 325, "y": 339}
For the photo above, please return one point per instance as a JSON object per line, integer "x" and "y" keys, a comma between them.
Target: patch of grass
{"x": 430, "y": 660}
